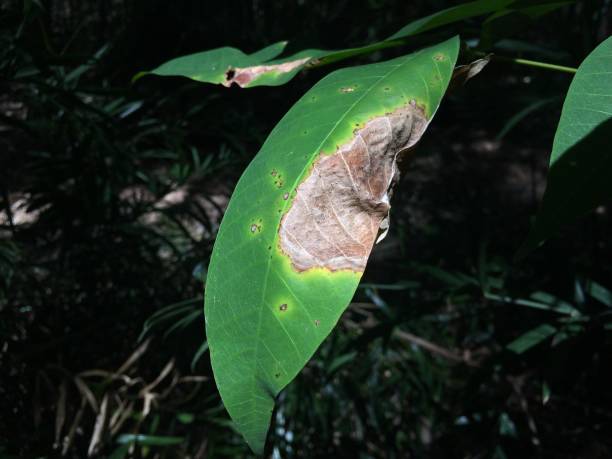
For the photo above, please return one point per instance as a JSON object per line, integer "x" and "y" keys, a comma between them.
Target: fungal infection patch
{"x": 340, "y": 208}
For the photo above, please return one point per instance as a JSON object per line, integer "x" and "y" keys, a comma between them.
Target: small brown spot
{"x": 438, "y": 57}
{"x": 386, "y": 88}
{"x": 277, "y": 375}
{"x": 347, "y": 89}
{"x": 254, "y": 228}
{"x": 274, "y": 172}
{"x": 317, "y": 323}
{"x": 229, "y": 75}
{"x": 283, "y": 307}
{"x": 286, "y": 196}
{"x": 269, "y": 247}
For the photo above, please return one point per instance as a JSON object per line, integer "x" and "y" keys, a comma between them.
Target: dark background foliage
{"x": 111, "y": 194}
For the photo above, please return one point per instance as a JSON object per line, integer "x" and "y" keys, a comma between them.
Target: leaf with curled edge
{"x": 302, "y": 221}
{"x": 230, "y": 66}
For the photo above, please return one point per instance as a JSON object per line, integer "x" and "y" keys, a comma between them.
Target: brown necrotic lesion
{"x": 340, "y": 208}
{"x": 243, "y": 76}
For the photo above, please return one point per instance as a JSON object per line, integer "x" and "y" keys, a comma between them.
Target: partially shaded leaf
{"x": 581, "y": 159}
{"x": 599, "y": 292}
{"x": 524, "y": 114}
{"x": 508, "y": 22}
{"x": 450, "y": 15}
{"x": 302, "y": 221}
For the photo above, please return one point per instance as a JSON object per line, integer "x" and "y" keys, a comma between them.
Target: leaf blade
{"x": 578, "y": 179}
{"x": 264, "y": 317}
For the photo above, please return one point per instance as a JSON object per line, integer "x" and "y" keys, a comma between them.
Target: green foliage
{"x": 581, "y": 158}
{"x": 111, "y": 196}
{"x": 229, "y": 65}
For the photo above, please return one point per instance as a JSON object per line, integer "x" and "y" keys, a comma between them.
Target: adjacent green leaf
{"x": 580, "y": 172}
{"x": 451, "y": 15}
{"x": 599, "y": 292}
{"x": 508, "y": 22}
{"x": 298, "y": 230}
{"x": 532, "y": 338}
{"x": 523, "y": 114}
{"x": 229, "y": 66}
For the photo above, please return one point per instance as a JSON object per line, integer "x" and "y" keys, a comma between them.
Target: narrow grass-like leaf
{"x": 149, "y": 440}
{"x": 531, "y": 338}
{"x": 599, "y": 292}
{"x": 302, "y": 221}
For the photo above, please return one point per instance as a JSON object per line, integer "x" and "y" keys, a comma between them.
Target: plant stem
{"x": 527, "y": 62}
{"x": 542, "y": 65}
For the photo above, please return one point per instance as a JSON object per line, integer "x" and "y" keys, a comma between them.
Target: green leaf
{"x": 229, "y": 66}
{"x": 532, "y": 338}
{"x": 524, "y": 114}
{"x": 599, "y": 292}
{"x": 543, "y": 301}
{"x": 546, "y": 393}
{"x": 451, "y": 15}
{"x": 299, "y": 227}
{"x": 211, "y": 66}
{"x": 198, "y": 355}
{"x": 581, "y": 159}
{"x": 149, "y": 440}
{"x": 511, "y": 21}
{"x": 120, "y": 452}
{"x": 185, "y": 418}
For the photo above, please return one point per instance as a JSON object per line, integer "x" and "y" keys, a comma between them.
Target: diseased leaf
{"x": 302, "y": 221}
{"x": 229, "y": 66}
{"x": 220, "y": 66}
{"x": 581, "y": 159}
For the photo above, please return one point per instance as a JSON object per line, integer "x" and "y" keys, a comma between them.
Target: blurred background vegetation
{"x": 111, "y": 194}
